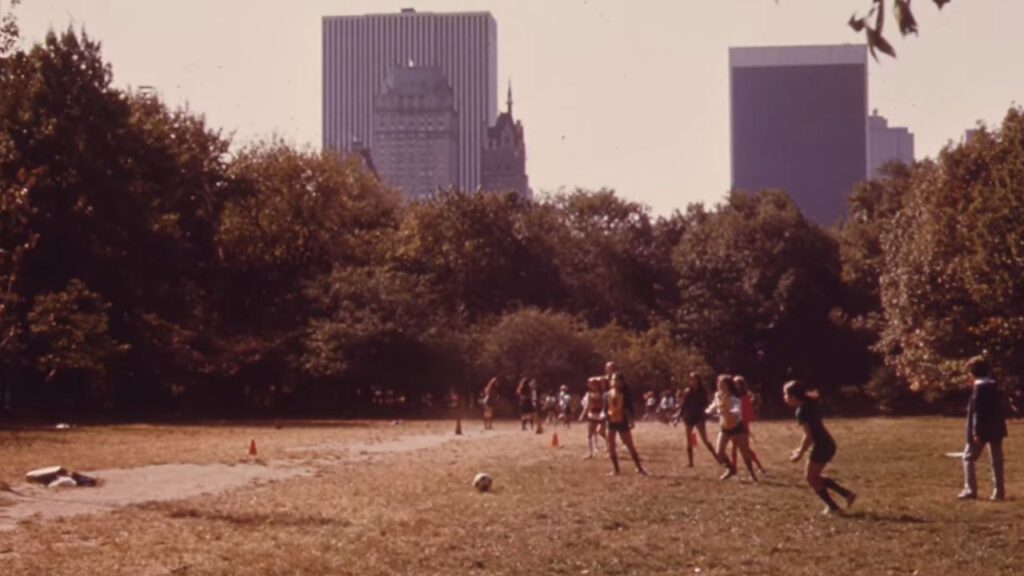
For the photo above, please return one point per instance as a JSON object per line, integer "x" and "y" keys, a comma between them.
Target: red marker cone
{"x": 252, "y": 447}
{"x": 554, "y": 440}
{"x": 458, "y": 427}
{"x": 693, "y": 439}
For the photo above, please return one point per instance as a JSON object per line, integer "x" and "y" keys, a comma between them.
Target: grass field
{"x": 408, "y": 507}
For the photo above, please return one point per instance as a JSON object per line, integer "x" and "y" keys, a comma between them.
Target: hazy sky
{"x": 631, "y": 95}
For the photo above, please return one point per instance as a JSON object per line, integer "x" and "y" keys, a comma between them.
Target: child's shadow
{"x": 888, "y": 518}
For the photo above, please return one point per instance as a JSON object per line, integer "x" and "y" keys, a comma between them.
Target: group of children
{"x": 535, "y": 408}
{"x": 607, "y": 410}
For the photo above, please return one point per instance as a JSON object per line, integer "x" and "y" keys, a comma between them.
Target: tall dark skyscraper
{"x": 359, "y": 51}
{"x": 799, "y": 123}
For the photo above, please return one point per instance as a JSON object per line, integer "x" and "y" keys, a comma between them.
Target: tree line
{"x": 149, "y": 267}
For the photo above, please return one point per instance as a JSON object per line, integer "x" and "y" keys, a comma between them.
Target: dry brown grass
{"x": 550, "y": 513}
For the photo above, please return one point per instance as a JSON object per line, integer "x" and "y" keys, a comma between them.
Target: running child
{"x": 729, "y": 410}
{"x": 818, "y": 441}
{"x": 747, "y": 413}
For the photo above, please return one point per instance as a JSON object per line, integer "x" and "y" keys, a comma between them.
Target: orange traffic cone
{"x": 554, "y": 440}
{"x": 252, "y": 447}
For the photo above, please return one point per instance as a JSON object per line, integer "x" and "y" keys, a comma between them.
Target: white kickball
{"x": 482, "y": 482}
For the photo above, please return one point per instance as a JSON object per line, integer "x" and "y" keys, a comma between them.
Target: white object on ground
{"x": 45, "y": 475}
{"x": 483, "y": 482}
{"x": 63, "y": 482}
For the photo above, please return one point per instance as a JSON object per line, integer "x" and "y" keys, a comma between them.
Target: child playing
{"x": 747, "y": 414}
{"x": 593, "y": 402}
{"x": 487, "y": 399}
{"x": 691, "y": 412}
{"x": 820, "y": 443}
{"x": 619, "y": 423}
{"x": 527, "y": 411}
{"x": 729, "y": 410}
{"x": 564, "y": 405}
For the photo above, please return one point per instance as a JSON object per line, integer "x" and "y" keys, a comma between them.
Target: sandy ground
{"x": 120, "y": 488}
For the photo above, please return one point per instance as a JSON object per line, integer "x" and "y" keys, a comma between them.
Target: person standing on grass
{"x": 729, "y": 410}
{"x": 619, "y": 423}
{"x": 593, "y": 404}
{"x": 818, "y": 441}
{"x": 747, "y": 416}
{"x": 564, "y": 405}
{"x": 691, "y": 412}
{"x": 986, "y": 424}
{"x": 488, "y": 399}
{"x": 527, "y": 412}
{"x": 538, "y": 411}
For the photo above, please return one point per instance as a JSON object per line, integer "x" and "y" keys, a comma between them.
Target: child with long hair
{"x": 691, "y": 412}
{"x": 619, "y": 422}
{"x": 742, "y": 391}
{"x": 818, "y": 441}
{"x": 729, "y": 410}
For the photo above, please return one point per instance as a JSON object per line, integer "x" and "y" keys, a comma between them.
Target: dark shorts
{"x": 738, "y": 429}
{"x": 823, "y": 452}
{"x": 694, "y": 419}
{"x": 618, "y": 426}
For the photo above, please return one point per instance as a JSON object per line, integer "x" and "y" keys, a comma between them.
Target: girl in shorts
{"x": 691, "y": 412}
{"x": 818, "y": 441}
{"x": 619, "y": 423}
{"x": 730, "y": 427}
{"x": 747, "y": 414}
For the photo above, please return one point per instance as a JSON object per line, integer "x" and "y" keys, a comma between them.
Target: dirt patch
{"x": 159, "y": 483}
{"x": 126, "y": 487}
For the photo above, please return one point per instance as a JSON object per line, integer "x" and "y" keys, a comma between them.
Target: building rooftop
{"x": 416, "y": 81}
{"x": 817, "y": 55}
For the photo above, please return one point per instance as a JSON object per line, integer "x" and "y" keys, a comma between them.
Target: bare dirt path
{"x": 120, "y": 488}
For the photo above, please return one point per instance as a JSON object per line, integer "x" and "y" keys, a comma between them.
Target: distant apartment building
{"x": 416, "y": 131}
{"x": 359, "y": 52}
{"x": 887, "y": 144}
{"x": 799, "y": 123}
{"x": 504, "y": 155}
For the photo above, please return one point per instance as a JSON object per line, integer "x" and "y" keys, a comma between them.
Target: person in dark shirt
{"x": 986, "y": 424}
{"x": 820, "y": 443}
{"x": 691, "y": 412}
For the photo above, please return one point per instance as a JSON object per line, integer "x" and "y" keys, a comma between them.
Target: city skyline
{"x": 360, "y": 51}
{"x": 662, "y": 96}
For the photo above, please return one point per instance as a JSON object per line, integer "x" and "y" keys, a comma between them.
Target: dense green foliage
{"x": 148, "y": 266}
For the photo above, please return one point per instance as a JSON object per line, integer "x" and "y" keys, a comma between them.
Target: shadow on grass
{"x": 886, "y": 518}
